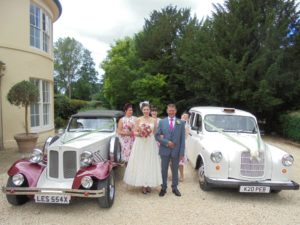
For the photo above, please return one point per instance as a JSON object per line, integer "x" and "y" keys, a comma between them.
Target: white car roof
{"x": 204, "y": 110}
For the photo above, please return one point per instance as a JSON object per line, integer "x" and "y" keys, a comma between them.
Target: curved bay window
{"x": 40, "y": 112}
{"x": 40, "y": 28}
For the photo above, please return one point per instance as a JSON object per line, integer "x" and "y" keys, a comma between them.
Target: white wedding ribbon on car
{"x": 253, "y": 152}
{"x": 82, "y": 135}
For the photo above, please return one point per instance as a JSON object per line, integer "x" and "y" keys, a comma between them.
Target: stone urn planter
{"x": 26, "y": 142}
{"x": 23, "y": 94}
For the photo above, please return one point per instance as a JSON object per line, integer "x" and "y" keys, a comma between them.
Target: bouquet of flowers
{"x": 128, "y": 127}
{"x": 145, "y": 130}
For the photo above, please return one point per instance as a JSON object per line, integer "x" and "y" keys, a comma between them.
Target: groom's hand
{"x": 171, "y": 145}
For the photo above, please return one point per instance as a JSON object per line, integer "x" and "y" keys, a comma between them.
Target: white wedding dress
{"x": 144, "y": 165}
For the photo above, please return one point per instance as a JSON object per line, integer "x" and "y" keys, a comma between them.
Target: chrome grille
{"x": 98, "y": 157}
{"x": 69, "y": 160}
{"x": 53, "y": 164}
{"x": 252, "y": 167}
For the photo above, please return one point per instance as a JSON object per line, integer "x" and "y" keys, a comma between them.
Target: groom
{"x": 171, "y": 136}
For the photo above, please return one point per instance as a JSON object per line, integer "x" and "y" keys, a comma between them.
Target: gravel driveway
{"x": 194, "y": 207}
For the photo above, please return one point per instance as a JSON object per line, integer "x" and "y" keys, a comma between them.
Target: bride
{"x": 144, "y": 167}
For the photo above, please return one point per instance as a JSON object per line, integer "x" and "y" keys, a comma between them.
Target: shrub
{"x": 64, "y": 108}
{"x": 60, "y": 122}
{"x": 77, "y": 104}
{"x": 290, "y": 125}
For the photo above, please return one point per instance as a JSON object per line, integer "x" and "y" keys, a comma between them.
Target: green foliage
{"x": 65, "y": 107}
{"x": 62, "y": 107}
{"x": 23, "y": 94}
{"x": 87, "y": 85}
{"x": 121, "y": 69}
{"x": 241, "y": 57}
{"x": 290, "y": 125}
{"x": 74, "y": 69}
{"x": 151, "y": 88}
{"x": 60, "y": 122}
{"x": 157, "y": 47}
{"x": 76, "y": 105}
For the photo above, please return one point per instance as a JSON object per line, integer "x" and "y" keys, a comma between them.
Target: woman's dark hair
{"x": 127, "y": 106}
{"x": 186, "y": 112}
{"x": 153, "y": 109}
{"x": 144, "y": 105}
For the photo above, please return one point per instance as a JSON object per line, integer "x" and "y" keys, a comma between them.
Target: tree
{"x": 151, "y": 88}
{"x": 23, "y": 94}
{"x": 121, "y": 69}
{"x": 236, "y": 57}
{"x": 157, "y": 47}
{"x": 68, "y": 57}
{"x": 88, "y": 83}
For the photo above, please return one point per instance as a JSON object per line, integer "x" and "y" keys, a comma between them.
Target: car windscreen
{"x": 92, "y": 124}
{"x": 230, "y": 123}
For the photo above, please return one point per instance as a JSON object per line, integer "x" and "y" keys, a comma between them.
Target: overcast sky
{"x": 97, "y": 24}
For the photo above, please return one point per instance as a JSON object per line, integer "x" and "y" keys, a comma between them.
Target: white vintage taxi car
{"x": 226, "y": 148}
{"x": 78, "y": 163}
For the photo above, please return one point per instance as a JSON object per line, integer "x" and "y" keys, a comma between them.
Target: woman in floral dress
{"x": 125, "y": 131}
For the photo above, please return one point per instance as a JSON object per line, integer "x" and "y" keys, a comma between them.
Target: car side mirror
{"x": 61, "y": 131}
{"x": 195, "y": 128}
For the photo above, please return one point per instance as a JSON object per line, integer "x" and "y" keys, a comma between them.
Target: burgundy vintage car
{"x": 78, "y": 163}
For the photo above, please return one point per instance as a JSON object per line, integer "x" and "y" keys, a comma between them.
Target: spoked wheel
{"x": 16, "y": 199}
{"x": 202, "y": 181}
{"x": 109, "y": 184}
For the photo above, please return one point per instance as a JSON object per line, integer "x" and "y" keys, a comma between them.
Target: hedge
{"x": 290, "y": 125}
{"x": 65, "y": 107}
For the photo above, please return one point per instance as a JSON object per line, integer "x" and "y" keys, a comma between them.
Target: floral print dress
{"x": 127, "y": 141}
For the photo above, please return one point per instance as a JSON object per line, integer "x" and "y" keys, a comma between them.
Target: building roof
{"x": 99, "y": 113}
{"x": 57, "y": 3}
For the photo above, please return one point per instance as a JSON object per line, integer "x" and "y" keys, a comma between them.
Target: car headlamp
{"x": 287, "y": 160}
{"x": 216, "y": 157}
{"x": 36, "y": 156}
{"x": 87, "y": 182}
{"x": 18, "y": 179}
{"x": 86, "y": 158}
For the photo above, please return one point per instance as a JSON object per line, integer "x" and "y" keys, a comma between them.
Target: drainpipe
{"x": 2, "y": 69}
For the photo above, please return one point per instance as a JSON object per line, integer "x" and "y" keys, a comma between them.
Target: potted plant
{"x": 23, "y": 94}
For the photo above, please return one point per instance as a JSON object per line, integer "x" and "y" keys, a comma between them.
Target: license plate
{"x": 255, "y": 189}
{"x": 59, "y": 199}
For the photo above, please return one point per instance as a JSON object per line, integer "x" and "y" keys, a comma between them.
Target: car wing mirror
{"x": 195, "y": 128}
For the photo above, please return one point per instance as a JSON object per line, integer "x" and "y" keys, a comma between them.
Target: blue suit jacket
{"x": 177, "y": 136}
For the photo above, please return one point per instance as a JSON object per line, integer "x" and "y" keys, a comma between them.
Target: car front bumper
{"x": 84, "y": 193}
{"x": 234, "y": 183}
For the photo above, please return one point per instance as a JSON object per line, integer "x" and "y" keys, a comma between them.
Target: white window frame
{"x": 42, "y": 25}
{"x": 44, "y": 99}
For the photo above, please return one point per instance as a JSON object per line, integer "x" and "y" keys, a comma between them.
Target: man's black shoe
{"x": 176, "y": 192}
{"x": 162, "y": 192}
